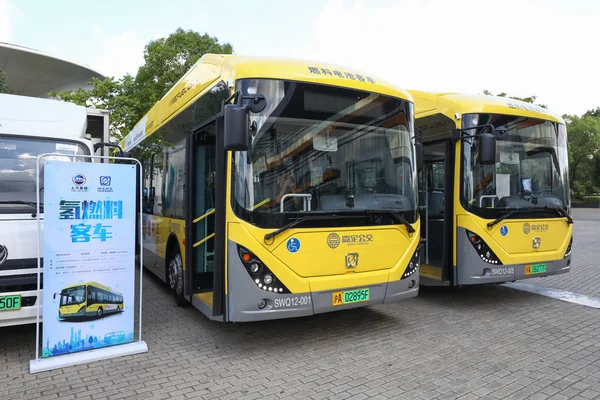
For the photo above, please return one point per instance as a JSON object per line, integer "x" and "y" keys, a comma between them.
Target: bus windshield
{"x": 18, "y": 157}
{"x": 324, "y": 149}
{"x": 74, "y": 295}
{"x": 531, "y": 169}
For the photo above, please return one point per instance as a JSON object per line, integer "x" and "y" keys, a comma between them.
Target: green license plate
{"x": 349, "y": 297}
{"x": 535, "y": 269}
{"x": 10, "y": 303}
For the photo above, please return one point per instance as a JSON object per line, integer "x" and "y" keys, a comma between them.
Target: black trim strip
{"x": 219, "y": 307}
{"x": 448, "y": 248}
{"x": 188, "y": 209}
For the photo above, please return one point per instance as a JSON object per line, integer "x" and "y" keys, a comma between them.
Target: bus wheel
{"x": 176, "y": 277}
{"x": 100, "y": 312}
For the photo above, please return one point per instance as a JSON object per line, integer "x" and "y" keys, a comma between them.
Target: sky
{"x": 547, "y": 48}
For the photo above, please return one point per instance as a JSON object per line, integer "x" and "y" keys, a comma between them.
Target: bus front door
{"x": 201, "y": 208}
{"x": 435, "y": 204}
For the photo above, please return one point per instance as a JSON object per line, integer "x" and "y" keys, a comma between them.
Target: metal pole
{"x": 39, "y": 264}
{"x": 141, "y": 238}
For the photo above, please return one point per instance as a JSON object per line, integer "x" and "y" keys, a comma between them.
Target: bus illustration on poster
{"x": 89, "y": 256}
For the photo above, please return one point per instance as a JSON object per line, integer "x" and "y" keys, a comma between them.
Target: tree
{"x": 593, "y": 113}
{"x": 530, "y": 99}
{"x": 584, "y": 152}
{"x": 129, "y": 98}
{"x": 4, "y": 83}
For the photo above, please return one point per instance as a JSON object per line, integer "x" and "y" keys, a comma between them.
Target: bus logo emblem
{"x": 537, "y": 242}
{"x": 333, "y": 240}
{"x": 351, "y": 260}
{"x": 504, "y": 230}
{"x": 526, "y": 228}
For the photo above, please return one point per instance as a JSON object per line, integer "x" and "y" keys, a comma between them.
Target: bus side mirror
{"x": 54, "y": 296}
{"x": 236, "y": 121}
{"x": 419, "y": 154}
{"x": 487, "y": 149}
{"x": 236, "y": 128}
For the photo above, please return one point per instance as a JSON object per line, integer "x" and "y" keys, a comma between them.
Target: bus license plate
{"x": 350, "y": 296}
{"x": 10, "y": 303}
{"x": 535, "y": 269}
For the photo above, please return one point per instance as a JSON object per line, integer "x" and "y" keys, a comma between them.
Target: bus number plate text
{"x": 535, "y": 269}
{"x": 349, "y": 297}
{"x": 10, "y": 303}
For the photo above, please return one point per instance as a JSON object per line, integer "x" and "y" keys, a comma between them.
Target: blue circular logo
{"x": 293, "y": 245}
{"x": 79, "y": 179}
{"x": 504, "y": 230}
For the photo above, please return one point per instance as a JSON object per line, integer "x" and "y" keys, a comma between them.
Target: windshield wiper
{"x": 300, "y": 220}
{"x": 559, "y": 211}
{"x": 27, "y": 203}
{"x": 397, "y": 216}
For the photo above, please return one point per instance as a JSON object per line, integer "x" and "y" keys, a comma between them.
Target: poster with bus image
{"x": 89, "y": 256}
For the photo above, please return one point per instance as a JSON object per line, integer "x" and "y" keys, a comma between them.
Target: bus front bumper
{"x": 472, "y": 270}
{"x": 246, "y": 302}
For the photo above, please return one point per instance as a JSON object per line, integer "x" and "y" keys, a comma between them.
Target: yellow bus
{"x": 90, "y": 299}
{"x": 284, "y": 189}
{"x": 494, "y": 190}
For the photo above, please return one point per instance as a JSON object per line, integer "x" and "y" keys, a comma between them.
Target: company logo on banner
{"x": 89, "y": 256}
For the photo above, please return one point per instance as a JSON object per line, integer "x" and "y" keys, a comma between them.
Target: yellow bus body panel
{"x": 449, "y": 104}
{"x": 214, "y": 67}
{"x": 318, "y": 267}
{"x": 516, "y": 247}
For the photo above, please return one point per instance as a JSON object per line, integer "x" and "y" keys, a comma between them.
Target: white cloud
{"x": 7, "y": 13}
{"x": 118, "y": 55}
{"x": 524, "y": 48}
{"x": 97, "y": 28}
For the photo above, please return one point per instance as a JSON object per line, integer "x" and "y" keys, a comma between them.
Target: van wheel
{"x": 175, "y": 277}
{"x": 100, "y": 312}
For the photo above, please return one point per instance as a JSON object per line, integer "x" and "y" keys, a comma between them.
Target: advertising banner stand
{"x": 88, "y": 251}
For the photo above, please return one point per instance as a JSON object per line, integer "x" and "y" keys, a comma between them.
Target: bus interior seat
{"x": 435, "y": 205}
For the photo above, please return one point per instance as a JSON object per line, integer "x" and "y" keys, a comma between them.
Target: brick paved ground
{"x": 481, "y": 342}
{"x": 585, "y": 270}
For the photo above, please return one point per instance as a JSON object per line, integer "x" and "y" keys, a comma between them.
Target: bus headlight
{"x": 569, "y": 248}
{"x": 485, "y": 253}
{"x": 268, "y": 279}
{"x": 413, "y": 265}
{"x": 255, "y": 268}
{"x": 261, "y": 275}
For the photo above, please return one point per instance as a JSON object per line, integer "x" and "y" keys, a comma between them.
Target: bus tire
{"x": 175, "y": 276}
{"x": 100, "y": 312}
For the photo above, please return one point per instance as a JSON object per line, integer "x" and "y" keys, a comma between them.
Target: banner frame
{"x": 61, "y": 361}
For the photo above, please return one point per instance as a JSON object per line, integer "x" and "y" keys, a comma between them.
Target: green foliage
{"x": 129, "y": 98}
{"x": 530, "y": 99}
{"x": 584, "y": 153}
{"x": 168, "y": 59}
{"x": 4, "y": 83}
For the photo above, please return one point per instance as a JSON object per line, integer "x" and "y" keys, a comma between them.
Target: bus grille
{"x": 14, "y": 265}
{"x": 17, "y": 282}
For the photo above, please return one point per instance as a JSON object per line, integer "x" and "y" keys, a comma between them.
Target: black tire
{"x": 175, "y": 276}
{"x": 100, "y": 312}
